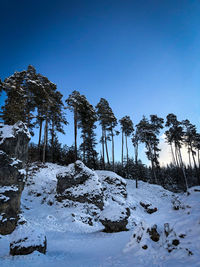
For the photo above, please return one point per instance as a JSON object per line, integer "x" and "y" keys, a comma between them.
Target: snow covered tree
{"x": 57, "y": 120}
{"x": 148, "y": 131}
{"x": 73, "y": 103}
{"x": 14, "y": 107}
{"x": 108, "y": 122}
{"x": 127, "y": 129}
{"x": 189, "y": 139}
{"x": 175, "y": 135}
{"x": 86, "y": 122}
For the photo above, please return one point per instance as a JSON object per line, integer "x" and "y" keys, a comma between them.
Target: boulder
{"x": 115, "y": 218}
{"x": 26, "y": 240}
{"x": 115, "y": 214}
{"x": 13, "y": 154}
{"x": 11, "y": 186}
{"x": 79, "y": 183}
{"x": 114, "y": 186}
{"x": 14, "y": 140}
{"x": 148, "y": 207}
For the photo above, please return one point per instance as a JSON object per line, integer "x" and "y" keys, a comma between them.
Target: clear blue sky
{"x": 142, "y": 56}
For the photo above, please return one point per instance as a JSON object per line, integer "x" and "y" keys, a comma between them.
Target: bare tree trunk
{"x": 40, "y": 133}
{"x": 103, "y": 153}
{"x": 113, "y": 154}
{"x": 84, "y": 148}
{"x": 136, "y": 162}
{"x": 182, "y": 166}
{"x": 45, "y": 141}
{"x": 195, "y": 165}
{"x": 122, "y": 148}
{"x": 127, "y": 157}
{"x": 173, "y": 158}
{"x": 106, "y": 148}
{"x": 189, "y": 158}
{"x": 176, "y": 154}
{"x": 75, "y": 133}
{"x": 39, "y": 142}
{"x": 126, "y": 150}
{"x": 152, "y": 164}
{"x": 52, "y": 142}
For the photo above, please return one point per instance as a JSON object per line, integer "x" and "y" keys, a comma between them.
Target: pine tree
{"x": 57, "y": 120}
{"x": 197, "y": 147}
{"x": 127, "y": 129}
{"x": 148, "y": 131}
{"x": 135, "y": 140}
{"x": 108, "y": 122}
{"x": 175, "y": 136}
{"x": 189, "y": 139}
{"x": 87, "y": 119}
{"x": 73, "y": 103}
{"x": 14, "y": 107}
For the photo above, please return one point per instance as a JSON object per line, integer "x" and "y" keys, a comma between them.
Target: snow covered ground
{"x": 73, "y": 241}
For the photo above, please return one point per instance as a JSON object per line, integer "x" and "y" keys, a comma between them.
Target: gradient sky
{"x": 142, "y": 56}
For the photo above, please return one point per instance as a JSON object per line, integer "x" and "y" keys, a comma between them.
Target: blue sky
{"x": 142, "y": 56}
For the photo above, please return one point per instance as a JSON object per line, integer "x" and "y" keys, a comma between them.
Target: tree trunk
{"x": 84, "y": 148}
{"x": 182, "y": 166}
{"x": 108, "y": 161}
{"x": 52, "y": 142}
{"x": 40, "y": 133}
{"x": 126, "y": 150}
{"x": 103, "y": 153}
{"x": 127, "y": 157}
{"x": 176, "y": 155}
{"x": 75, "y": 133}
{"x": 195, "y": 165}
{"x": 136, "y": 163}
{"x": 39, "y": 142}
{"x": 113, "y": 154}
{"x": 152, "y": 164}
{"x": 198, "y": 158}
{"x": 122, "y": 147}
{"x": 173, "y": 158}
{"x": 45, "y": 141}
{"x": 189, "y": 158}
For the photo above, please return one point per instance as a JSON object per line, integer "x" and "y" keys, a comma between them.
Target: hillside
{"x": 74, "y": 233}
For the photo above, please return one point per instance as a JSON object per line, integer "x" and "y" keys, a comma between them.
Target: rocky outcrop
{"x": 115, "y": 214}
{"x": 13, "y": 144}
{"x": 79, "y": 183}
{"x": 14, "y": 140}
{"x": 104, "y": 189}
{"x": 26, "y": 239}
{"x": 115, "y": 218}
{"x": 114, "y": 187}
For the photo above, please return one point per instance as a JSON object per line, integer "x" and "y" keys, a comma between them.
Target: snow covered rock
{"x": 26, "y": 239}
{"x": 78, "y": 183}
{"x": 13, "y": 154}
{"x": 154, "y": 237}
{"x": 115, "y": 217}
{"x": 114, "y": 187}
{"x": 14, "y": 140}
{"x": 148, "y": 207}
{"x": 11, "y": 186}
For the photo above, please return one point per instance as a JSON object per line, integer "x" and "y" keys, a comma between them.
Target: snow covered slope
{"x": 74, "y": 233}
